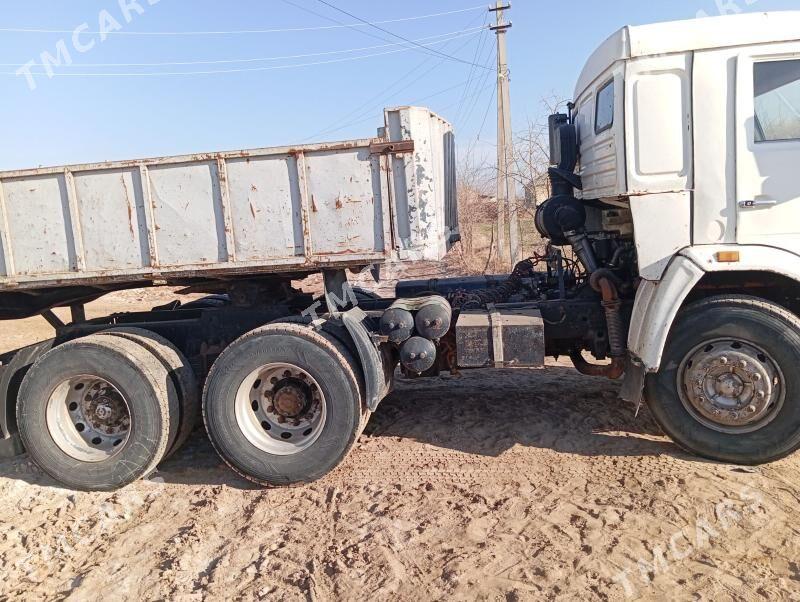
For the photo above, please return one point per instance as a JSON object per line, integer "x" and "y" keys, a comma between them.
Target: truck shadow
{"x": 488, "y": 412}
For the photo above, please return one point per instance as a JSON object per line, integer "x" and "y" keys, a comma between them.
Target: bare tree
{"x": 477, "y": 203}
{"x": 531, "y": 161}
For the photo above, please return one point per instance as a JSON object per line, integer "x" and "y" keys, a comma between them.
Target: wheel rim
{"x": 88, "y": 418}
{"x": 731, "y": 386}
{"x": 280, "y": 409}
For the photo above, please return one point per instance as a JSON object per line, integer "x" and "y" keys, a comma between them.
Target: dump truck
{"x": 672, "y": 262}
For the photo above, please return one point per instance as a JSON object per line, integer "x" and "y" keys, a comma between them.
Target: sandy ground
{"x": 510, "y": 485}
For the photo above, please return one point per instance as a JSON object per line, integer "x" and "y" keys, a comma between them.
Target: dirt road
{"x": 510, "y": 485}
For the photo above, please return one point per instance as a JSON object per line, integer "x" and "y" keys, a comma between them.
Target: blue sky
{"x": 82, "y": 119}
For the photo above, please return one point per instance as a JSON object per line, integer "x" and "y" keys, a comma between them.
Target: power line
{"x": 371, "y": 101}
{"x": 440, "y": 38}
{"x": 472, "y": 73}
{"x": 240, "y": 70}
{"x": 474, "y": 142}
{"x": 238, "y": 32}
{"x": 412, "y": 102}
{"x": 376, "y": 26}
{"x": 480, "y": 84}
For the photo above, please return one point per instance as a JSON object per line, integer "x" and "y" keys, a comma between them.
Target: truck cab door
{"x": 768, "y": 146}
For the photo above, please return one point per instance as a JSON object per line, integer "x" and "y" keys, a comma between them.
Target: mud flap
{"x": 377, "y": 383}
{"x": 13, "y": 367}
{"x": 632, "y": 389}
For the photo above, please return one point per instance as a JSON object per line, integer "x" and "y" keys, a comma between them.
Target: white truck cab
{"x": 695, "y": 127}
{"x": 684, "y": 140}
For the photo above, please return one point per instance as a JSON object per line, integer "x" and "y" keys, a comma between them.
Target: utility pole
{"x": 506, "y": 197}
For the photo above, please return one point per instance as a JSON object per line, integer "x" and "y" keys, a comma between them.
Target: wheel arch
{"x": 763, "y": 272}
{"x": 13, "y": 368}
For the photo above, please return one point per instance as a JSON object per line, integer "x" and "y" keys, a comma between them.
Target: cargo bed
{"x": 289, "y": 209}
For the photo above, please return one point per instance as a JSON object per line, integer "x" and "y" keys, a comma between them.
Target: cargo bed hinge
{"x": 387, "y": 148}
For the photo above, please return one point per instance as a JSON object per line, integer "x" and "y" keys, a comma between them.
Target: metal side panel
{"x": 300, "y": 208}
{"x": 188, "y": 213}
{"x": 422, "y": 183}
{"x": 345, "y": 202}
{"x": 39, "y": 222}
{"x": 266, "y": 207}
{"x": 111, "y": 209}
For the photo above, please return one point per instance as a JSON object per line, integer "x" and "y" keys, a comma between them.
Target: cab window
{"x": 777, "y": 100}
{"x": 604, "y": 110}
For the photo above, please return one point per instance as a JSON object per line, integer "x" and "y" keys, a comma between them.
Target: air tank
{"x": 418, "y": 355}
{"x": 433, "y": 318}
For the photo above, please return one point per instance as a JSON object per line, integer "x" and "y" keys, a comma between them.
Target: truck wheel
{"x": 94, "y": 413}
{"x": 282, "y": 405}
{"x": 729, "y": 387}
{"x": 181, "y": 374}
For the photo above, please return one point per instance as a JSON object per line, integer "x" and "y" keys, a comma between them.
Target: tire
{"x": 717, "y": 407}
{"x": 259, "y": 455}
{"x": 187, "y": 406}
{"x": 337, "y": 335}
{"x": 45, "y": 421}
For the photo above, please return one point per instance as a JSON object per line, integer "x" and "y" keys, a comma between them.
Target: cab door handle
{"x": 755, "y": 204}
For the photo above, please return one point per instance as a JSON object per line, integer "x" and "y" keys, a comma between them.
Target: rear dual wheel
{"x": 100, "y": 412}
{"x": 283, "y": 404}
{"x": 186, "y": 400}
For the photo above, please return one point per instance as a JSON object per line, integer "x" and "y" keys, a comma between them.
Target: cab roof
{"x": 694, "y": 34}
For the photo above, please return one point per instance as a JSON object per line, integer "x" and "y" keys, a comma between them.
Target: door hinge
{"x": 387, "y": 148}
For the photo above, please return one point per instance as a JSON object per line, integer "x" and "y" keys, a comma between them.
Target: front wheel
{"x": 729, "y": 388}
{"x": 282, "y": 405}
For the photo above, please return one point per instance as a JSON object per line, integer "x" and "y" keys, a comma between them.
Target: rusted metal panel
{"x": 74, "y": 221}
{"x": 265, "y": 207}
{"x": 223, "y": 214}
{"x": 225, "y": 205}
{"x": 305, "y": 204}
{"x": 39, "y": 226}
{"x": 346, "y": 210}
{"x": 383, "y": 148}
{"x": 149, "y": 219}
{"x": 111, "y": 217}
{"x": 423, "y": 183}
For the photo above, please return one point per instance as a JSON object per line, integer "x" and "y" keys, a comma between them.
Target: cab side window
{"x": 777, "y": 100}
{"x": 604, "y": 111}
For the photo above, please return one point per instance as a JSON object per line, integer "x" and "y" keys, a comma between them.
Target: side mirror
{"x": 563, "y": 142}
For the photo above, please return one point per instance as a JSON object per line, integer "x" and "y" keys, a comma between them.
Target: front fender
{"x": 655, "y": 308}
